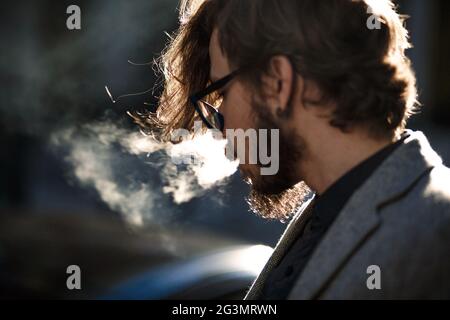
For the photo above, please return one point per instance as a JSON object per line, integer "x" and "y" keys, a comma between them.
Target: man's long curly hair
{"x": 363, "y": 70}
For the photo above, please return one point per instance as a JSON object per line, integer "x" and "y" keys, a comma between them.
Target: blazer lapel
{"x": 289, "y": 235}
{"x": 359, "y": 217}
{"x": 353, "y": 225}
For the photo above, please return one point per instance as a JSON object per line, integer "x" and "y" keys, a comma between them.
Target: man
{"x": 333, "y": 77}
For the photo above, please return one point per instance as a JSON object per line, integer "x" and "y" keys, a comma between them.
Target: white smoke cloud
{"x": 187, "y": 169}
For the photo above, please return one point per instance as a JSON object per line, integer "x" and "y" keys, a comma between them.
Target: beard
{"x": 278, "y": 196}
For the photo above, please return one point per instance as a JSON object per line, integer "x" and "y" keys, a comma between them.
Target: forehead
{"x": 219, "y": 63}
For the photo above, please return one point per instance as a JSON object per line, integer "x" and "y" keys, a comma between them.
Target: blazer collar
{"x": 359, "y": 217}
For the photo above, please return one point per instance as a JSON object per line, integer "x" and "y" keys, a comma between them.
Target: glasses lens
{"x": 212, "y": 116}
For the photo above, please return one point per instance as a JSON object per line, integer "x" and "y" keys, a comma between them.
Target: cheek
{"x": 237, "y": 109}
{"x": 238, "y": 114}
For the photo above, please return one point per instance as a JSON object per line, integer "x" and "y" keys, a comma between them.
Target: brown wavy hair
{"x": 364, "y": 71}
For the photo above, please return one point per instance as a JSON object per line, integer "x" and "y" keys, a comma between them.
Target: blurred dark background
{"x": 52, "y": 78}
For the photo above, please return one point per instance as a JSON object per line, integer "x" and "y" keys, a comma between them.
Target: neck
{"x": 328, "y": 159}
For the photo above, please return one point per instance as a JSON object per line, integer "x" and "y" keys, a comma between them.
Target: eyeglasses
{"x": 207, "y": 102}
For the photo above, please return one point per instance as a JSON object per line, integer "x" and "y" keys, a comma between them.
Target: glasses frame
{"x": 213, "y": 87}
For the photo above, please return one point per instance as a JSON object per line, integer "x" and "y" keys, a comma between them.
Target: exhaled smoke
{"x": 109, "y": 159}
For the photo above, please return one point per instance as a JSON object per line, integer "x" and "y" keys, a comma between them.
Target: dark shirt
{"x": 326, "y": 208}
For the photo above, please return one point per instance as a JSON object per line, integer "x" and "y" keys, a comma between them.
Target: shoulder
{"x": 421, "y": 218}
{"x": 437, "y": 185}
{"x": 430, "y": 198}
{"x": 412, "y": 241}
{"x": 430, "y": 193}
{"x": 422, "y": 214}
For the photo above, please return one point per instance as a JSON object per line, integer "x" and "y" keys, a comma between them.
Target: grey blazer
{"x": 398, "y": 221}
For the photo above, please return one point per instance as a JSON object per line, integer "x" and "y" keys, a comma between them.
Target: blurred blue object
{"x": 216, "y": 275}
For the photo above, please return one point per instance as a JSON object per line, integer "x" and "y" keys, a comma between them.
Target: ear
{"x": 278, "y": 84}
